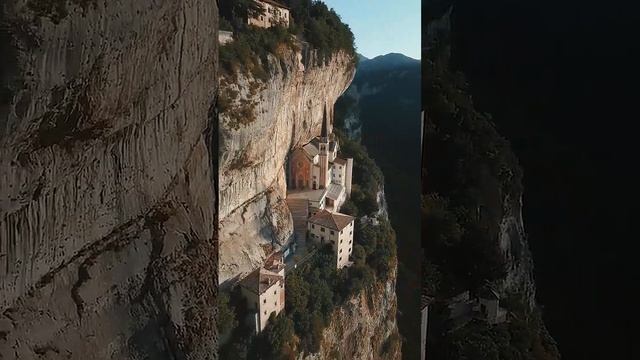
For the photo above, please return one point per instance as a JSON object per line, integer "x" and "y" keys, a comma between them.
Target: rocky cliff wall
{"x": 263, "y": 122}
{"x": 515, "y": 247}
{"x": 364, "y": 328}
{"x": 106, "y": 191}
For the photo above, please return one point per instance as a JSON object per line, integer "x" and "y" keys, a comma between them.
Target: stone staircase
{"x": 300, "y": 212}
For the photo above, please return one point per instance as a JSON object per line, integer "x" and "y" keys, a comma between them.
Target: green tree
{"x": 226, "y": 319}
{"x": 431, "y": 277}
{"x": 359, "y": 255}
{"x": 316, "y": 335}
{"x": 277, "y": 337}
{"x": 349, "y": 208}
{"x": 297, "y": 297}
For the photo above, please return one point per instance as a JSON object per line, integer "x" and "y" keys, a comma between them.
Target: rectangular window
{"x": 313, "y": 226}
{"x": 331, "y": 232}
{"x": 321, "y": 229}
{"x": 265, "y": 301}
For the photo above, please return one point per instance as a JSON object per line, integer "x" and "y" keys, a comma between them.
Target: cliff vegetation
{"x": 312, "y": 22}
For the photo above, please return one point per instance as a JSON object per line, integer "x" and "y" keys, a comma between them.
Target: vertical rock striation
{"x": 275, "y": 116}
{"x": 107, "y": 199}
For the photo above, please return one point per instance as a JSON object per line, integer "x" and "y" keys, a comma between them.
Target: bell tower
{"x": 323, "y": 149}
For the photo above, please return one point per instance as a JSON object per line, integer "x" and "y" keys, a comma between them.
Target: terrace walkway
{"x": 299, "y": 208}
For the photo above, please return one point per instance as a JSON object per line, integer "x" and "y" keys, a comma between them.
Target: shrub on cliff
{"x": 277, "y": 339}
{"x": 321, "y": 27}
{"x": 349, "y": 208}
{"x": 363, "y": 202}
{"x": 459, "y": 246}
{"x": 311, "y": 20}
{"x": 226, "y": 319}
{"x": 241, "y": 342}
{"x": 312, "y": 293}
{"x": 225, "y": 25}
{"x": 367, "y": 176}
{"x": 379, "y": 244}
{"x": 250, "y": 49}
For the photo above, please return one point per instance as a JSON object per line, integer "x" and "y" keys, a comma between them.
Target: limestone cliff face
{"x": 106, "y": 186}
{"x": 364, "y": 328}
{"x": 263, "y": 122}
{"x": 515, "y": 247}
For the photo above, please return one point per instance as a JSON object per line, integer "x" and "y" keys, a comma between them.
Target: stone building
{"x": 316, "y": 166}
{"x": 337, "y": 229}
{"x": 489, "y": 308}
{"x": 225, "y": 37}
{"x": 264, "y": 290}
{"x": 274, "y": 13}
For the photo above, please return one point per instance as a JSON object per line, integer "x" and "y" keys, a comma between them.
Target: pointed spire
{"x": 325, "y": 123}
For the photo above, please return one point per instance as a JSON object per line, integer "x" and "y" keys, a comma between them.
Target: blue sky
{"x": 382, "y": 26}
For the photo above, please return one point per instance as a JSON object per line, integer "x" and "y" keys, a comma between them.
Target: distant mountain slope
{"x": 382, "y": 109}
{"x": 391, "y": 61}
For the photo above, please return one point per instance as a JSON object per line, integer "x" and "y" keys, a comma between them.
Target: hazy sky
{"x": 382, "y": 26}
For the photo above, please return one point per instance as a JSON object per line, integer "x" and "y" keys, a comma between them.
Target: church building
{"x": 316, "y": 166}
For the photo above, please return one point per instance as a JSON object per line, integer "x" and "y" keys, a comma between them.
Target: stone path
{"x": 300, "y": 212}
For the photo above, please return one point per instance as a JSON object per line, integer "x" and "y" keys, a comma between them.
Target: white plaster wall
{"x": 270, "y": 302}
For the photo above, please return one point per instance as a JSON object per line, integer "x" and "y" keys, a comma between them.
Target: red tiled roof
{"x": 331, "y": 220}
{"x": 259, "y": 282}
{"x": 340, "y": 161}
{"x": 275, "y": 262}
